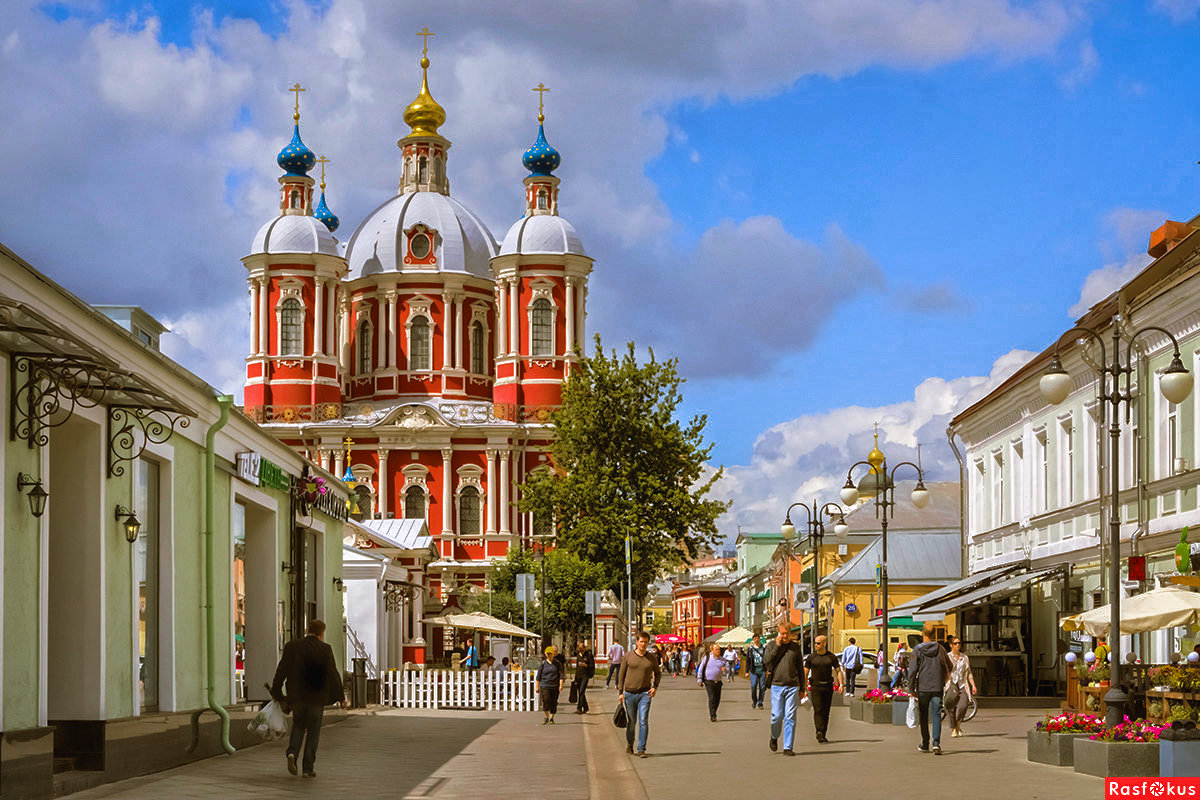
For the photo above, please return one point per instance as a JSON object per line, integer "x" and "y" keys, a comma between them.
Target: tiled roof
{"x": 912, "y": 558}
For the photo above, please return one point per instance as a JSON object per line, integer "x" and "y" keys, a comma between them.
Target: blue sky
{"x": 831, "y": 213}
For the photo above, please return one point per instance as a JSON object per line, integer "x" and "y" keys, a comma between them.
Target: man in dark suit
{"x": 313, "y": 682}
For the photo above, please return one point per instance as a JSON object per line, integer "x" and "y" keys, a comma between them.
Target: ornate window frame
{"x": 418, "y": 306}
{"x": 290, "y": 289}
{"x": 542, "y": 289}
{"x": 479, "y": 313}
{"x": 415, "y": 475}
{"x": 362, "y": 318}
{"x": 430, "y": 258}
{"x": 470, "y": 476}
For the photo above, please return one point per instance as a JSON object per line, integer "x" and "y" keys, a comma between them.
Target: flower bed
{"x": 874, "y": 707}
{"x": 1052, "y": 741}
{"x": 1129, "y": 749}
{"x": 877, "y": 696}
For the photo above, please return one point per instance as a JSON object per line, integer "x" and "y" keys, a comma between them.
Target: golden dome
{"x": 424, "y": 115}
{"x": 876, "y": 457}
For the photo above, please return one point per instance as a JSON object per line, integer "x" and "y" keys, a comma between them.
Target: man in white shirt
{"x": 730, "y": 657}
{"x": 852, "y": 664}
{"x": 615, "y": 654}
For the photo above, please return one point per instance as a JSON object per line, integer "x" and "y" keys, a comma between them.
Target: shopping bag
{"x": 269, "y": 722}
{"x": 620, "y": 715}
{"x": 573, "y": 697}
{"x": 910, "y": 716}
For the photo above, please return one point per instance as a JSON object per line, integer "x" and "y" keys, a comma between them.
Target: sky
{"x": 831, "y": 214}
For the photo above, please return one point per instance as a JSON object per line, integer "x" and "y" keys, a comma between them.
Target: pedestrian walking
{"x": 585, "y": 669}
{"x": 313, "y": 682}
{"x": 901, "y": 666}
{"x": 731, "y": 658}
{"x": 685, "y": 660}
{"x": 615, "y": 653}
{"x": 930, "y": 669}
{"x": 757, "y": 670}
{"x": 709, "y": 674}
{"x": 471, "y": 659}
{"x": 823, "y": 669}
{"x": 852, "y": 664}
{"x": 549, "y": 677}
{"x": 960, "y": 688}
{"x": 785, "y": 663}
{"x": 637, "y": 682}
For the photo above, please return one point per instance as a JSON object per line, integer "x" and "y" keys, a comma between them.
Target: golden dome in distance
{"x": 423, "y": 114}
{"x": 876, "y": 457}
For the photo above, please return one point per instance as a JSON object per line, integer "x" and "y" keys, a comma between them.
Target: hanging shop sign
{"x": 258, "y": 471}
{"x": 326, "y": 502}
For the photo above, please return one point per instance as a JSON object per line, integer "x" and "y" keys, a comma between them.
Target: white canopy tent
{"x": 484, "y": 623}
{"x": 1168, "y": 607}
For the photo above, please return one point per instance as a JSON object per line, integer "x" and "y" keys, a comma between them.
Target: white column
{"x": 392, "y": 316}
{"x": 447, "y": 322}
{"x": 254, "y": 317}
{"x": 447, "y": 480}
{"x": 383, "y": 482}
{"x": 502, "y": 319}
{"x": 344, "y": 339}
{"x": 514, "y": 329}
{"x": 319, "y": 319}
{"x": 325, "y": 456}
{"x": 339, "y": 463}
{"x": 569, "y": 344}
{"x": 458, "y": 332}
{"x": 491, "y": 491}
{"x": 581, "y": 323}
{"x": 380, "y": 332}
{"x": 263, "y": 290}
{"x": 505, "y": 511}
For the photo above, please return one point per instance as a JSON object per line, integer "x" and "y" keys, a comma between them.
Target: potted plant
{"x": 876, "y": 707}
{"x": 1052, "y": 741}
{"x": 1098, "y": 674}
{"x": 1130, "y": 748}
{"x": 1179, "y": 750}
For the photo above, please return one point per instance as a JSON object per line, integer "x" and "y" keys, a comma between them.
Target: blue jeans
{"x": 929, "y": 708}
{"x": 783, "y": 713}
{"x": 637, "y": 707}
{"x": 758, "y": 685}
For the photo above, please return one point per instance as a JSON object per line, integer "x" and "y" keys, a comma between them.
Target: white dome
{"x": 294, "y": 233}
{"x": 464, "y": 242}
{"x": 542, "y": 233}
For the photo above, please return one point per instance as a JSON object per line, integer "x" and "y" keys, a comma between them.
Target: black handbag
{"x": 620, "y": 716}
{"x": 574, "y": 696}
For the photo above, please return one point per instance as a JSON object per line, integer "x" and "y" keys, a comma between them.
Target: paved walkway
{"x": 689, "y": 754}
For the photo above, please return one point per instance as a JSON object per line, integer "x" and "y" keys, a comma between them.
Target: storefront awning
{"x": 895, "y": 621}
{"x": 1009, "y": 584}
{"x": 763, "y": 595}
{"x": 956, "y": 589}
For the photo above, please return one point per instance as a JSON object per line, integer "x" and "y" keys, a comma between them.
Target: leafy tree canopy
{"x": 623, "y": 465}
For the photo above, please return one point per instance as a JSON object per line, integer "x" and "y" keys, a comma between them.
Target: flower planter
{"x": 856, "y": 708}
{"x": 900, "y": 712}
{"x": 1116, "y": 758}
{"x": 877, "y": 713}
{"x": 1056, "y": 749}
{"x": 1178, "y": 759}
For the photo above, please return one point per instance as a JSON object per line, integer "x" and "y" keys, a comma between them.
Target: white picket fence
{"x": 475, "y": 689}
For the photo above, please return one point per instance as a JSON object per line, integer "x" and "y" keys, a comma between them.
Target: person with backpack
{"x": 709, "y": 674}
{"x": 549, "y": 677}
{"x": 931, "y": 668}
{"x": 852, "y": 664}
{"x": 756, "y": 669}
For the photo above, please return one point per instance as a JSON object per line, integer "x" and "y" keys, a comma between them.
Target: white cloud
{"x": 1083, "y": 71}
{"x": 1178, "y": 10}
{"x": 1128, "y": 231}
{"x": 807, "y": 457}
{"x": 214, "y": 338}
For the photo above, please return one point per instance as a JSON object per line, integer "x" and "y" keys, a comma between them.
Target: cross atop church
{"x": 425, "y": 32}
{"x": 296, "y": 88}
{"x": 541, "y": 90}
{"x": 323, "y": 161}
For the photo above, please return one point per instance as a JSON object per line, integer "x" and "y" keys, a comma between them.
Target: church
{"x": 419, "y": 358}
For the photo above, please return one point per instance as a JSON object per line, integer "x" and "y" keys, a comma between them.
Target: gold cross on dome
{"x": 322, "y": 161}
{"x": 348, "y": 441}
{"x": 297, "y": 89}
{"x": 541, "y": 90}
{"x": 425, "y": 44}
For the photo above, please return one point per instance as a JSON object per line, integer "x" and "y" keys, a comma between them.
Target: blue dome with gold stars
{"x": 541, "y": 158}
{"x": 322, "y": 213}
{"x": 296, "y": 158}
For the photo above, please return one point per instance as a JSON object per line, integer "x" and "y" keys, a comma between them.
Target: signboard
{"x": 628, "y": 553}
{"x": 800, "y": 595}
{"x": 258, "y": 471}
{"x": 851, "y": 608}
{"x": 878, "y": 575}
{"x": 248, "y": 466}
{"x": 525, "y": 587}
{"x": 591, "y": 602}
{"x": 1137, "y": 568}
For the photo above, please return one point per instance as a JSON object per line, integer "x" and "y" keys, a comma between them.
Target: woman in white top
{"x": 963, "y": 681}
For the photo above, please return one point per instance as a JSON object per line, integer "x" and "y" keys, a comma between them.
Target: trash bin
{"x": 358, "y": 692}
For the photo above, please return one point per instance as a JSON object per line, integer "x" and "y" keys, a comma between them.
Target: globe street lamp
{"x": 816, "y": 532}
{"x": 880, "y": 483}
{"x": 1055, "y": 385}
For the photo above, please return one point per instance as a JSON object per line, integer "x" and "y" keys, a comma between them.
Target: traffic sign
{"x": 591, "y": 602}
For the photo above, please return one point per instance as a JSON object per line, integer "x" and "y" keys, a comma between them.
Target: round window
{"x": 419, "y": 245}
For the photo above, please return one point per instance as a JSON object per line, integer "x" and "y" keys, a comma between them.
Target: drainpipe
{"x": 224, "y": 402}
{"x": 962, "y": 484}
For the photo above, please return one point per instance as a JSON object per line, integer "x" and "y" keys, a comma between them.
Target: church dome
{"x": 461, "y": 242}
{"x": 424, "y": 114}
{"x": 294, "y": 234}
{"x": 542, "y": 233}
{"x": 296, "y": 158}
{"x": 541, "y": 158}
{"x": 324, "y": 215}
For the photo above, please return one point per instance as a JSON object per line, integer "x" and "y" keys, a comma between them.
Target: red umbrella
{"x": 668, "y": 638}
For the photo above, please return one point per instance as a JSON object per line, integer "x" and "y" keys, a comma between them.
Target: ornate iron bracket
{"x": 46, "y": 391}
{"x": 124, "y": 445}
{"x": 395, "y": 593}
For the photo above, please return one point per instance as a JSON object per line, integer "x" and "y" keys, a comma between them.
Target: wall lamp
{"x": 133, "y": 525}
{"x": 338, "y": 585}
{"x": 37, "y": 495}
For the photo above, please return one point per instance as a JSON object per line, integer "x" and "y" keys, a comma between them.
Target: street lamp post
{"x": 1055, "y": 385}
{"x": 884, "y": 491}
{"x": 540, "y": 555}
{"x": 816, "y": 532}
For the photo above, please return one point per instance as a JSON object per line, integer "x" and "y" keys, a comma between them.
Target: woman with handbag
{"x": 959, "y": 688}
{"x": 549, "y": 679}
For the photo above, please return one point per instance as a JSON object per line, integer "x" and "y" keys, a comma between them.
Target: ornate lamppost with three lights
{"x": 1056, "y": 385}
{"x": 816, "y": 532}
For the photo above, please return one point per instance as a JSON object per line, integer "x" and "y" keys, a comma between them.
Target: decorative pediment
{"x": 414, "y": 418}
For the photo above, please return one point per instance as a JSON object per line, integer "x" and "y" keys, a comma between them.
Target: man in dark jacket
{"x": 930, "y": 667}
{"x": 785, "y": 665}
{"x": 585, "y": 670}
{"x": 313, "y": 682}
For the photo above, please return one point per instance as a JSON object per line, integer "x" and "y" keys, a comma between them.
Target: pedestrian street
{"x": 444, "y": 754}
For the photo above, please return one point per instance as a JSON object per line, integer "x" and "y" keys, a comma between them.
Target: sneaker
{"x": 310, "y": 774}
{"x": 774, "y": 745}
{"x": 788, "y": 753}
{"x": 291, "y": 758}
{"x": 641, "y": 754}
{"x": 629, "y": 749}
{"x": 546, "y": 721}
{"x": 922, "y": 748}
{"x": 822, "y": 740}
{"x": 712, "y": 718}
{"x": 937, "y": 749}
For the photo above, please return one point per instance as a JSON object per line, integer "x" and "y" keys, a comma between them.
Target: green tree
{"x": 660, "y": 625}
{"x": 568, "y": 577}
{"x": 623, "y": 465}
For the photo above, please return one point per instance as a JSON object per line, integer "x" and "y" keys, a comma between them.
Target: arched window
{"x": 543, "y": 320}
{"x": 291, "y": 320}
{"x": 468, "y": 512}
{"x": 414, "y": 503}
{"x": 294, "y": 202}
{"x": 419, "y": 351}
{"x": 364, "y": 347}
{"x": 543, "y": 200}
{"x": 478, "y": 361}
{"x": 362, "y": 494}
{"x": 422, "y": 169}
